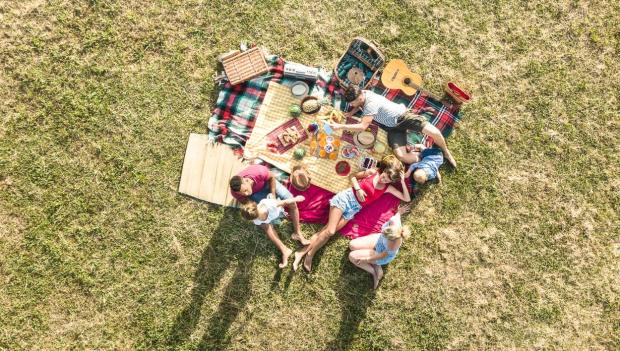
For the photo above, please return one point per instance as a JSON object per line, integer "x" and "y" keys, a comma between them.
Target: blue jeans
{"x": 282, "y": 193}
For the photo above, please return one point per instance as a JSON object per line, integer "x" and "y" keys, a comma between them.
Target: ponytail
{"x": 395, "y": 232}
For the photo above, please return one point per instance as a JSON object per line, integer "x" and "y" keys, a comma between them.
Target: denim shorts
{"x": 282, "y": 193}
{"x": 346, "y": 201}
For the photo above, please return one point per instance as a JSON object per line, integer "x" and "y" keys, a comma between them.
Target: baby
{"x": 266, "y": 212}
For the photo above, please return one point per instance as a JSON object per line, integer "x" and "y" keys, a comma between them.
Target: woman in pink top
{"x": 346, "y": 204}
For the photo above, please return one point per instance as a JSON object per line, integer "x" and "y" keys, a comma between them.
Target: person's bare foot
{"x": 427, "y": 109}
{"x": 300, "y": 237}
{"x": 308, "y": 263}
{"x": 377, "y": 276}
{"x": 451, "y": 159}
{"x": 438, "y": 178}
{"x": 285, "y": 255}
{"x": 297, "y": 261}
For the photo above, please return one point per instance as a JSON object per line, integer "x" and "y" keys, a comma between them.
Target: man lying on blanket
{"x": 393, "y": 118}
{"x": 254, "y": 184}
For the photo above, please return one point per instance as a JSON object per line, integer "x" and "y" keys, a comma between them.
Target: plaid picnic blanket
{"x": 237, "y": 106}
{"x": 445, "y": 117}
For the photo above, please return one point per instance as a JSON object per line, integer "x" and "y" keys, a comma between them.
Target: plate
{"x": 350, "y": 151}
{"x": 365, "y": 140}
{"x": 299, "y": 89}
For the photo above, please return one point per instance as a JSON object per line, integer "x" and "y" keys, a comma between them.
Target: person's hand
{"x": 419, "y": 147}
{"x": 348, "y": 114}
{"x": 404, "y": 208}
{"x": 427, "y": 109}
{"x": 401, "y": 175}
{"x": 361, "y": 194}
{"x": 299, "y": 198}
{"x": 371, "y": 171}
{"x": 333, "y": 125}
{"x": 271, "y": 196}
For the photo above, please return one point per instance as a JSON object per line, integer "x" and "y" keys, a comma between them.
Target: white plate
{"x": 300, "y": 89}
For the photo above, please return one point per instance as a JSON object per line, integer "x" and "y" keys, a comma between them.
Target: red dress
{"x": 372, "y": 193}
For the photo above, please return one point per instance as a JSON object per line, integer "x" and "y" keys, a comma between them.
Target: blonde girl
{"x": 375, "y": 250}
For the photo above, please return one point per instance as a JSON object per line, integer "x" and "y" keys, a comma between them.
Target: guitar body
{"x": 396, "y": 75}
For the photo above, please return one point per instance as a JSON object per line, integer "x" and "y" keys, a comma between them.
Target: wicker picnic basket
{"x": 360, "y": 63}
{"x": 242, "y": 66}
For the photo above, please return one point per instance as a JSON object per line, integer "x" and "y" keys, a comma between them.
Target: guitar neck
{"x": 419, "y": 88}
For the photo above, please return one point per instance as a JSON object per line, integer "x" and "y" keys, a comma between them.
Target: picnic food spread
{"x": 295, "y": 110}
{"x": 343, "y": 168}
{"x": 290, "y": 136}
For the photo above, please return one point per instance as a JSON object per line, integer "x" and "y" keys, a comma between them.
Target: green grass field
{"x": 518, "y": 249}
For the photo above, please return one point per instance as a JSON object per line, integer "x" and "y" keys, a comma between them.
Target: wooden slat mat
{"x": 207, "y": 169}
{"x": 274, "y": 112}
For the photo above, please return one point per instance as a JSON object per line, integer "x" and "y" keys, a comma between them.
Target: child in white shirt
{"x": 264, "y": 214}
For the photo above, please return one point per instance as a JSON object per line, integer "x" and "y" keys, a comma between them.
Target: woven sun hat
{"x": 300, "y": 178}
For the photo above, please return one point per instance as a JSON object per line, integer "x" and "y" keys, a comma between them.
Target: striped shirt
{"x": 384, "y": 111}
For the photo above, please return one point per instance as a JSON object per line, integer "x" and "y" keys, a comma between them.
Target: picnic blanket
{"x": 273, "y": 112}
{"x": 237, "y": 107}
{"x": 315, "y": 208}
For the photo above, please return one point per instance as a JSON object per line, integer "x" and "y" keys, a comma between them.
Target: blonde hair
{"x": 395, "y": 232}
{"x": 249, "y": 211}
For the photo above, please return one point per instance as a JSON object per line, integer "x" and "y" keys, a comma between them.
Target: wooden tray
{"x": 293, "y": 123}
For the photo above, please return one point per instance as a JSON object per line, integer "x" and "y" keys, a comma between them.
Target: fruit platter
{"x": 349, "y": 151}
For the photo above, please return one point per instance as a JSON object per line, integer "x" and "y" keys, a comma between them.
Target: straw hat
{"x": 300, "y": 178}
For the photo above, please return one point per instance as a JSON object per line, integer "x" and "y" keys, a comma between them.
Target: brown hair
{"x": 391, "y": 166}
{"x": 235, "y": 183}
{"x": 352, "y": 92}
{"x": 249, "y": 210}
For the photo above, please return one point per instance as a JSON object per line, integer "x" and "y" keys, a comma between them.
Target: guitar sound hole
{"x": 407, "y": 80}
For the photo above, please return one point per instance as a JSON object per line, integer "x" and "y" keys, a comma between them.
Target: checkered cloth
{"x": 445, "y": 116}
{"x": 237, "y": 106}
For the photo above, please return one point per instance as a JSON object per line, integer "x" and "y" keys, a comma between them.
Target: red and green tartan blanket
{"x": 237, "y": 106}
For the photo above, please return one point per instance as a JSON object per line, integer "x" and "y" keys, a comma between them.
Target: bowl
{"x": 299, "y": 89}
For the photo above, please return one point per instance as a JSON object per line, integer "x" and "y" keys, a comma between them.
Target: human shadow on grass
{"x": 354, "y": 290}
{"x": 228, "y": 244}
{"x": 234, "y": 301}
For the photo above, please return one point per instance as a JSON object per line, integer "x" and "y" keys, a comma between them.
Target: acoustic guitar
{"x": 396, "y": 75}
